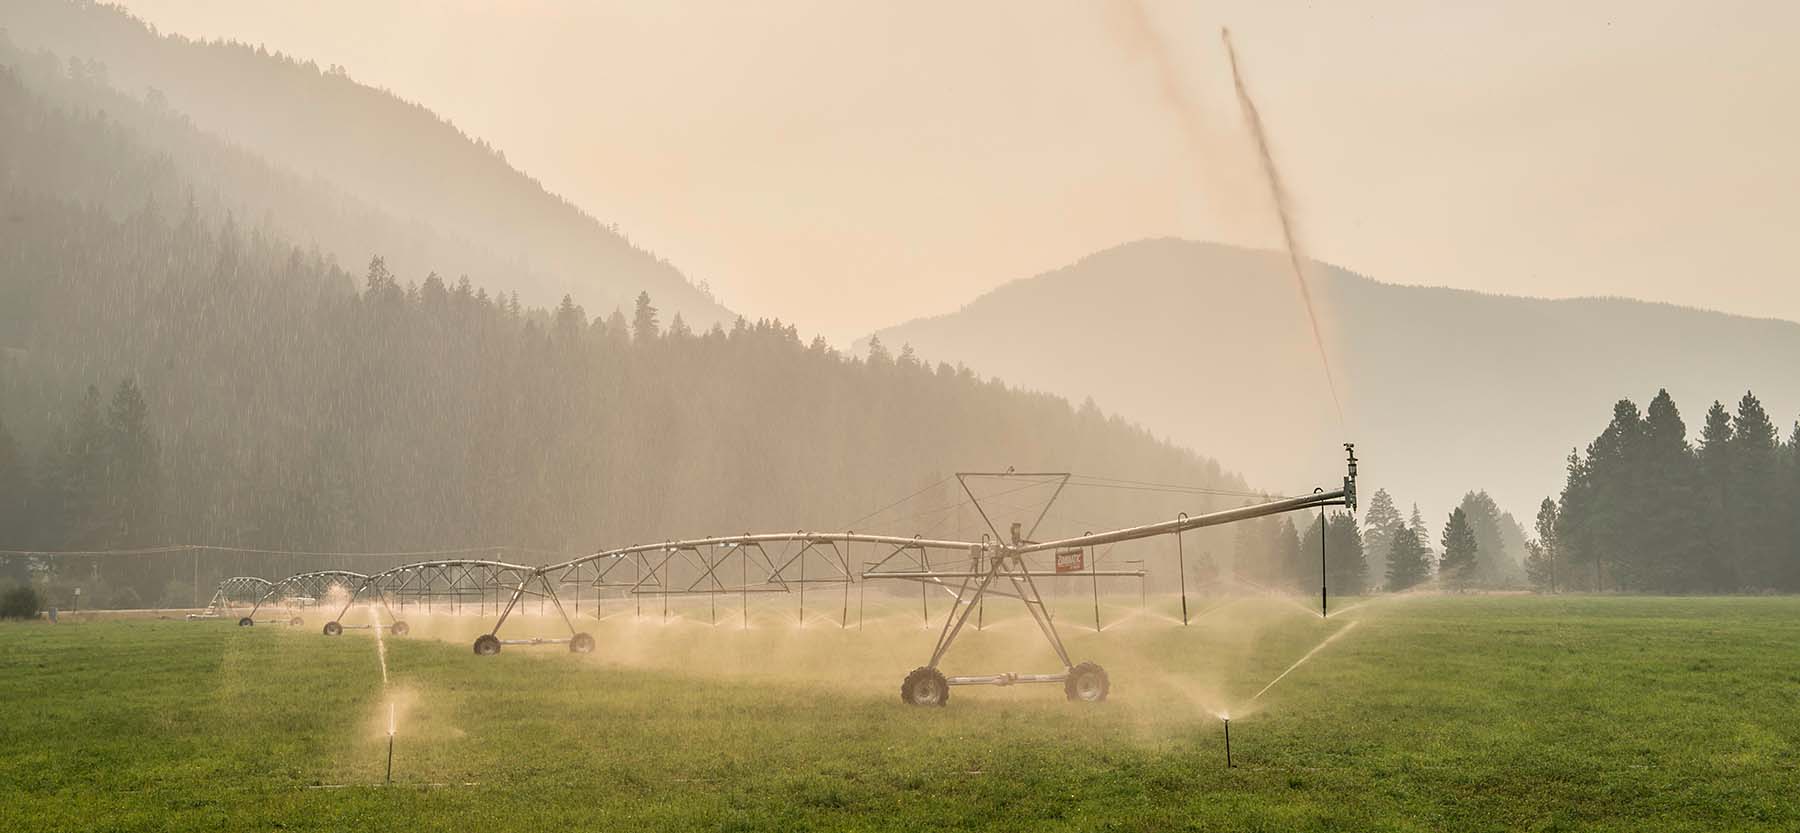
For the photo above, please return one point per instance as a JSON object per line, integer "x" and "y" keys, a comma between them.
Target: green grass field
{"x": 1471, "y": 713}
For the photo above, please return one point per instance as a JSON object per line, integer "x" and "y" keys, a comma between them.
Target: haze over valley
{"x": 523, "y": 415}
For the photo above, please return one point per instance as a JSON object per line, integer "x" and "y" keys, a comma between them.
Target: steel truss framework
{"x": 967, "y": 571}
{"x": 234, "y": 592}
{"x": 299, "y": 590}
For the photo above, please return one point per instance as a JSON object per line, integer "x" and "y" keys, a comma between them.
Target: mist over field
{"x": 1132, "y": 415}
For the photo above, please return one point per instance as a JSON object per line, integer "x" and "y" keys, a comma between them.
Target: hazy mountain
{"x": 1444, "y": 390}
{"x": 456, "y": 203}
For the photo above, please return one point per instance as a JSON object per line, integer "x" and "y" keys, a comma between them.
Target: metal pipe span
{"x": 769, "y": 538}
{"x": 1242, "y": 513}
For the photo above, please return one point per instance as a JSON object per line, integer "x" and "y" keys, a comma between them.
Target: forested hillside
{"x": 368, "y": 169}
{"x": 169, "y": 379}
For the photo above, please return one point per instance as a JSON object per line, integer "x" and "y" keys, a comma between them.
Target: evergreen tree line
{"x": 1480, "y": 546}
{"x": 1645, "y": 510}
{"x": 1275, "y": 553}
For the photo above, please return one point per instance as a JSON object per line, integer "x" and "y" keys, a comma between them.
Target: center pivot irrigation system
{"x": 303, "y": 590}
{"x": 968, "y": 571}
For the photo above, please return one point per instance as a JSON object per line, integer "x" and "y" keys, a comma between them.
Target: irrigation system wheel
{"x": 296, "y": 621}
{"x": 399, "y": 628}
{"x": 332, "y": 628}
{"x": 925, "y": 686}
{"x": 246, "y": 622}
{"x": 1087, "y": 682}
{"x": 581, "y": 643}
{"x": 487, "y": 645}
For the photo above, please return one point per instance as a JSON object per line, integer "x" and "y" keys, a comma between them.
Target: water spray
{"x": 392, "y": 729}
{"x": 1283, "y": 212}
{"x": 1309, "y": 655}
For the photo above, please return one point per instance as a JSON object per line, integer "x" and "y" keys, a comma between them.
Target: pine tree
{"x": 643, "y": 319}
{"x": 133, "y": 472}
{"x": 83, "y": 477}
{"x": 1496, "y": 566}
{"x": 1572, "y": 530}
{"x": 1347, "y": 564}
{"x": 878, "y": 353}
{"x": 1754, "y": 511}
{"x": 434, "y": 296}
{"x": 1606, "y": 515}
{"x": 379, "y": 285}
{"x": 1408, "y": 563}
{"x": 618, "y": 333}
{"x": 1548, "y": 551}
{"x": 1381, "y": 522}
{"x": 1286, "y": 559}
{"x": 1670, "y": 547}
{"x": 1460, "y": 551}
{"x": 1720, "y": 570}
{"x": 1538, "y": 567}
{"x": 1416, "y": 525}
{"x": 571, "y": 319}
{"x": 1346, "y": 567}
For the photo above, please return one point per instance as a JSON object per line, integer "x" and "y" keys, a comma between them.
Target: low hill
{"x": 460, "y": 206}
{"x": 1443, "y": 390}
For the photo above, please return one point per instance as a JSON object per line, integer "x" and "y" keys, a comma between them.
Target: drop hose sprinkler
{"x": 1227, "y": 719}
{"x": 391, "y": 743}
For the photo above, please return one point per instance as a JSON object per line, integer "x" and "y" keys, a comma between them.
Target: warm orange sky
{"x": 850, "y": 165}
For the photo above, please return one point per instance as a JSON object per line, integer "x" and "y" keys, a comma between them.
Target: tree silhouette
{"x": 1460, "y": 551}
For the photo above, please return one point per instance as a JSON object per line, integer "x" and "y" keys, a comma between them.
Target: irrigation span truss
{"x": 967, "y": 571}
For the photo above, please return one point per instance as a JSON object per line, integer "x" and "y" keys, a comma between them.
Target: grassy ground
{"x": 1474, "y": 713}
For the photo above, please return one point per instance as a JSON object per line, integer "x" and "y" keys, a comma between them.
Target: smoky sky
{"x": 849, "y": 165}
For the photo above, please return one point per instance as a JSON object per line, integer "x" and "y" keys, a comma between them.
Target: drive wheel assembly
{"x": 332, "y": 628}
{"x": 581, "y": 643}
{"x": 925, "y": 686}
{"x": 487, "y": 645}
{"x": 1087, "y": 682}
{"x": 399, "y": 629}
{"x": 246, "y": 622}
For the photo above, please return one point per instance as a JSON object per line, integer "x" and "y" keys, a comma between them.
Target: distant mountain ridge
{"x": 488, "y": 219}
{"x": 1445, "y": 390}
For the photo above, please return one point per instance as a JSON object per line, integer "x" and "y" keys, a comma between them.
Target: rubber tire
{"x": 296, "y": 621}
{"x": 399, "y": 628}
{"x": 332, "y": 628}
{"x": 581, "y": 643}
{"x": 487, "y": 645}
{"x": 246, "y": 622}
{"x": 925, "y": 686}
{"x": 1087, "y": 682}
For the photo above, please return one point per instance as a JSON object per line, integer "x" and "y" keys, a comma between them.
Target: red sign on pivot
{"x": 1070, "y": 561}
